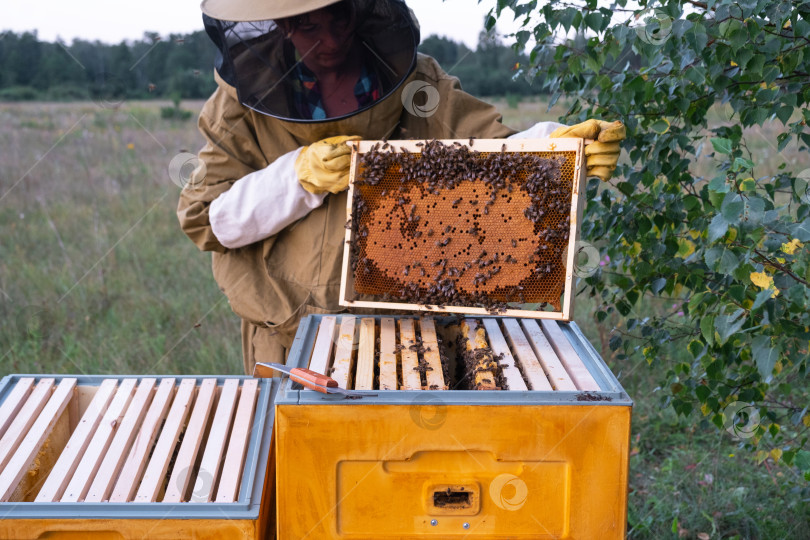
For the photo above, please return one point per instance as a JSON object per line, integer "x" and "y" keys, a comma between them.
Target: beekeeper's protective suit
{"x": 268, "y": 197}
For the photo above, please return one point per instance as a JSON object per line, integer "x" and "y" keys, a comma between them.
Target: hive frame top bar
{"x": 563, "y": 144}
{"x": 250, "y": 491}
{"x": 293, "y": 393}
{"x": 347, "y": 289}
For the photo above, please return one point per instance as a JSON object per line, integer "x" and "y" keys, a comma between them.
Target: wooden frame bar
{"x": 14, "y": 402}
{"x": 192, "y": 440}
{"x": 210, "y": 465}
{"x": 228, "y": 489}
{"x": 25, "y": 454}
{"x": 531, "y": 366}
{"x": 388, "y": 354}
{"x": 497, "y": 343}
{"x": 26, "y": 416}
{"x": 409, "y": 359}
{"x": 364, "y": 376}
{"x": 484, "y": 145}
{"x": 485, "y": 371}
{"x": 113, "y": 460}
{"x": 65, "y": 466}
{"x": 558, "y": 376}
{"x": 164, "y": 448}
{"x": 91, "y": 460}
{"x": 434, "y": 374}
{"x": 322, "y": 352}
{"x": 343, "y": 366}
{"x": 127, "y": 482}
{"x": 569, "y": 357}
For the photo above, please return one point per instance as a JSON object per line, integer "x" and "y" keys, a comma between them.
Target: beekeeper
{"x": 296, "y": 80}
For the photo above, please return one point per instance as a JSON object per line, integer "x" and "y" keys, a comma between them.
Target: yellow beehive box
{"x": 544, "y": 455}
{"x": 135, "y": 457}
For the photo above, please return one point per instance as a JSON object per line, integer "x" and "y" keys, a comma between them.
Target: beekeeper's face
{"x": 323, "y": 38}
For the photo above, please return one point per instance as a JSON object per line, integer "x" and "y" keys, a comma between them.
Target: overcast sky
{"x": 111, "y": 21}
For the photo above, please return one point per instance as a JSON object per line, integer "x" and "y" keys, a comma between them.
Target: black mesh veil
{"x": 259, "y": 60}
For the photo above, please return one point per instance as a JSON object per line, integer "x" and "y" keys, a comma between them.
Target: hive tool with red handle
{"x": 310, "y": 379}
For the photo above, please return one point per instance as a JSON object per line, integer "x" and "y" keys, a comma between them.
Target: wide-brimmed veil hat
{"x": 253, "y": 10}
{"x": 257, "y": 57}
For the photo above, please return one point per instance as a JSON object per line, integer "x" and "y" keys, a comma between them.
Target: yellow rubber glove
{"x": 324, "y": 166}
{"x": 600, "y": 156}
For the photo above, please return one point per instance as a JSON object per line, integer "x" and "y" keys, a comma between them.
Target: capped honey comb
{"x": 450, "y": 225}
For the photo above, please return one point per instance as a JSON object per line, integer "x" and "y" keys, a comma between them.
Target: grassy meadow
{"x": 97, "y": 278}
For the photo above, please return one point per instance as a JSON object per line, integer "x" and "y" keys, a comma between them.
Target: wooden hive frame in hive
{"x": 419, "y": 354}
{"x": 388, "y": 236}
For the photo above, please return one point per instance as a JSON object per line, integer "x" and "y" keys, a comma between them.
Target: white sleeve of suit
{"x": 261, "y": 204}
{"x": 538, "y": 131}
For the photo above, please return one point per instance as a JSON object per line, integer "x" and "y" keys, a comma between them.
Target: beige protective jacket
{"x": 273, "y": 283}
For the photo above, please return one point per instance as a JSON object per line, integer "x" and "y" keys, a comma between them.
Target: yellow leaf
{"x": 764, "y": 281}
{"x": 776, "y": 454}
{"x": 787, "y": 24}
{"x": 733, "y": 63}
{"x": 636, "y": 249}
{"x": 777, "y": 367}
{"x": 762, "y": 455}
{"x": 705, "y": 409}
{"x": 694, "y": 234}
{"x": 806, "y": 420}
{"x": 781, "y": 260}
{"x": 731, "y": 234}
{"x": 131, "y": 146}
{"x": 761, "y": 280}
{"x": 791, "y": 247}
{"x": 685, "y": 247}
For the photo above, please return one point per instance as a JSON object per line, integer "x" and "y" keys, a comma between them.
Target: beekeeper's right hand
{"x": 324, "y": 166}
{"x": 265, "y": 202}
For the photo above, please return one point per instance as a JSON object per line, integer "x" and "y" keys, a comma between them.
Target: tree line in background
{"x": 179, "y": 67}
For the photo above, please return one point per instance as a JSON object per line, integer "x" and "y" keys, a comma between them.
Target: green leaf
{"x": 732, "y": 208}
{"x": 707, "y": 329}
{"x": 801, "y": 231}
{"x": 660, "y": 126}
{"x": 703, "y": 392}
{"x": 696, "y": 348}
{"x": 657, "y": 285}
{"x": 802, "y": 460}
{"x": 748, "y": 184}
{"x": 764, "y": 355}
{"x": 728, "y": 325}
{"x": 594, "y": 21}
{"x": 719, "y": 185}
{"x": 784, "y": 114}
{"x": 696, "y": 301}
{"x": 717, "y": 228}
{"x": 721, "y": 146}
{"x": 742, "y": 163}
{"x": 762, "y": 296}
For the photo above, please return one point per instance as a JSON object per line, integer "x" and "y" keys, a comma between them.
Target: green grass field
{"x": 97, "y": 278}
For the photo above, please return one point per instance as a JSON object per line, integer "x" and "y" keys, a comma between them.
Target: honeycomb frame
{"x": 362, "y": 232}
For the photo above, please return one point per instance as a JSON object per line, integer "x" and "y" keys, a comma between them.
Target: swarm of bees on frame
{"x": 452, "y": 226}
